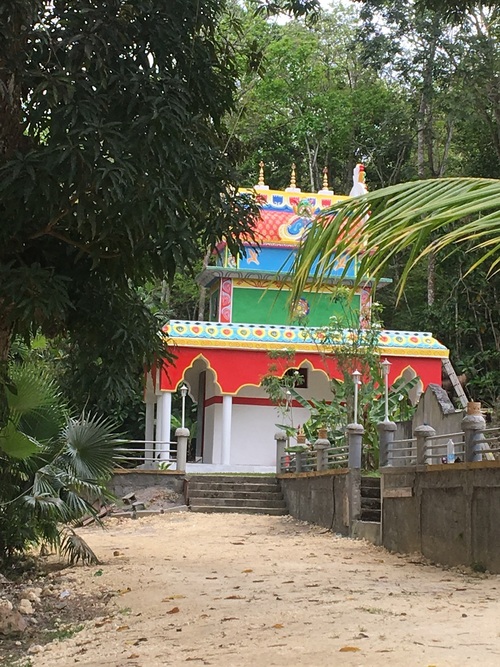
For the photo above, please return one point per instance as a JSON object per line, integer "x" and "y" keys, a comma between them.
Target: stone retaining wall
{"x": 448, "y": 513}
{"x": 322, "y": 498}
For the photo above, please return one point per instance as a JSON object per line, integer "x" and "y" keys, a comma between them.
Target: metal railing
{"x": 338, "y": 455}
{"x": 146, "y": 453}
{"x": 428, "y": 448}
{"x": 448, "y": 448}
{"x": 487, "y": 444}
{"x": 402, "y": 452}
{"x": 314, "y": 459}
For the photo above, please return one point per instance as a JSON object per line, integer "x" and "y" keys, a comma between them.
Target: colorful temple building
{"x": 223, "y": 361}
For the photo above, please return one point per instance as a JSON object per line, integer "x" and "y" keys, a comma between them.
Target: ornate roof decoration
{"x": 304, "y": 339}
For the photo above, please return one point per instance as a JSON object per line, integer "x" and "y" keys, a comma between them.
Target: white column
{"x": 163, "y": 423}
{"x": 149, "y": 427}
{"x": 227, "y": 410}
{"x": 149, "y": 431}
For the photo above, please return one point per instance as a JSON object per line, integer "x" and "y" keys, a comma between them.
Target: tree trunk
{"x": 203, "y": 290}
{"x": 431, "y": 279}
{"x": 425, "y": 141}
{"x": 310, "y": 165}
{"x": 5, "y": 342}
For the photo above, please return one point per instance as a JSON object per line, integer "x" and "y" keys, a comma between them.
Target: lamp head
{"x": 386, "y": 365}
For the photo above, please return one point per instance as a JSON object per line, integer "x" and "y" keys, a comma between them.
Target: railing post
{"x": 280, "y": 437}
{"x": 422, "y": 433}
{"x": 386, "y": 432}
{"x": 321, "y": 446}
{"x": 473, "y": 425}
{"x": 298, "y": 462}
{"x": 355, "y": 442}
{"x": 182, "y": 435}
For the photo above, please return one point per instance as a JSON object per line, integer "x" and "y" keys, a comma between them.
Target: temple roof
{"x": 301, "y": 339}
{"x": 285, "y": 216}
{"x": 211, "y": 273}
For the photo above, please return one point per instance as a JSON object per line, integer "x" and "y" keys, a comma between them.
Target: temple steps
{"x": 235, "y": 493}
{"x": 371, "y": 504}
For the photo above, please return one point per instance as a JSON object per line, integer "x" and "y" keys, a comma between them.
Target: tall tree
{"x": 111, "y": 167}
{"x": 311, "y": 101}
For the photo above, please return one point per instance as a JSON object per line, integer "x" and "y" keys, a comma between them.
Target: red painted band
{"x": 242, "y": 400}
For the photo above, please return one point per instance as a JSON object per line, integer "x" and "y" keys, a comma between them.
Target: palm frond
{"x": 16, "y": 444}
{"x": 420, "y": 216}
{"x": 35, "y": 403}
{"x": 47, "y": 482}
{"x": 47, "y": 506}
{"x": 75, "y": 549}
{"x": 89, "y": 447}
{"x": 77, "y": 505}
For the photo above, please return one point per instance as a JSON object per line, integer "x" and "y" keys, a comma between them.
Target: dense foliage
{"x": 112, "y": 169}
{"x": 410, "y": 89}
{"x": 53, "y": 467}
{"x": 121, "y": 124}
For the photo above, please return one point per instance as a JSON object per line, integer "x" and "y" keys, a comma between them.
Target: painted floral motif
{"x": 201, "y": 333}
{"x": 301, "y": 309}
{"x": 298, "y": 226}
{"x": 226, "y": 300}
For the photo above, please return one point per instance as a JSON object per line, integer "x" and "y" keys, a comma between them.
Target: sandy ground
{"x": 244, "y": 590}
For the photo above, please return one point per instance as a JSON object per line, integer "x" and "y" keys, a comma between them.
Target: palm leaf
{"x": 47, "y": 506}
{"x": 421, "y": 216}
{"x": 75, "y": 549}
{"x": 89, "y": 447}
{"x": 35, "y": 404}
{"x": 16, "y": 444}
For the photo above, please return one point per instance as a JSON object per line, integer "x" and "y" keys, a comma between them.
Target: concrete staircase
{"x": 370, "y": 499}
{"x": 235, "y": 493}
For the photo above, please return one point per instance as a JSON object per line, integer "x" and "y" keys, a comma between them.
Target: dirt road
{"x": 242, "y": 590}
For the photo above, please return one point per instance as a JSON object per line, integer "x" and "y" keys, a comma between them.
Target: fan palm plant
{"x": 53, "y": 467}
{"x": 422, "y": 217}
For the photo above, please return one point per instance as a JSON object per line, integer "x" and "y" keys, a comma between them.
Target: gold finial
{"x": 293, "y": 183}
{"x": 261, "y": 173}
{"x": 325, "y": 189}
{"x": 325, "y": 178}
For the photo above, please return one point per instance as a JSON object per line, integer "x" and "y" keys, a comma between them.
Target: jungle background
{"x": 412, "y": 92}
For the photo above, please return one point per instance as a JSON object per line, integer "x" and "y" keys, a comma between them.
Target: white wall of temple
{"x": 253, "y": 426}
{"x": 212, "y": 446}
{"x": 252, "y": 433}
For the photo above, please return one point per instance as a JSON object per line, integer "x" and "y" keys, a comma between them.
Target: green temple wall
{"x": 261, "y": 306}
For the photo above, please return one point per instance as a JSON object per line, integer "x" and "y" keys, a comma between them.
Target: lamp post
{"x": 289, "y": 415}
{"x": 184, "y": 391}
{"x": 356, "y": 376}
{"x": 386, "y": 365}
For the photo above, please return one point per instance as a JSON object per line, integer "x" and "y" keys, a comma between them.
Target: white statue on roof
{"x": 358, "y": 181}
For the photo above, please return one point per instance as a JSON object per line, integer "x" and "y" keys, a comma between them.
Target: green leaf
{"x": 17, "y": 444}
{"x": 381, "y": 224}
{"x": 89, "y": 447}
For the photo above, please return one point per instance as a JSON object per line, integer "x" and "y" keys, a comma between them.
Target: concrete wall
{"x": 448, "y": 513}
{"x": 322, "y": 498}
{"x": 436, "y": 409}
